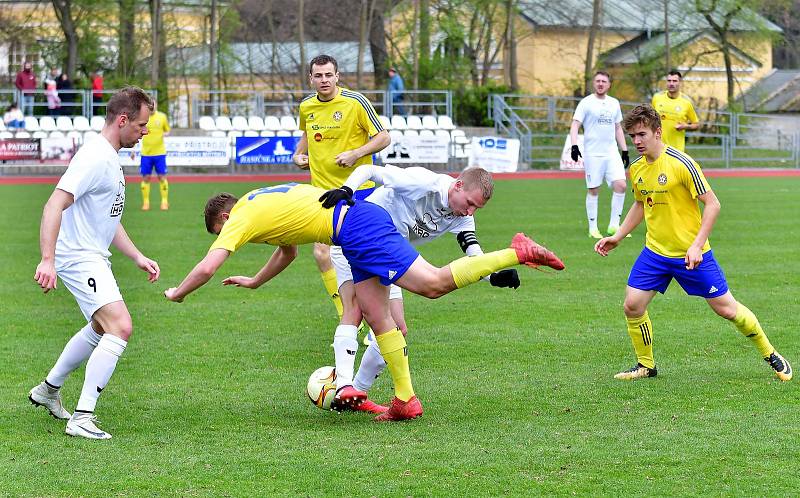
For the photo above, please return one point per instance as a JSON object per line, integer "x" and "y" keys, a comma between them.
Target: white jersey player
{"x": 601, "y": 116}
{"x": 81, "y": 220}
{"x": 423, "y": 205}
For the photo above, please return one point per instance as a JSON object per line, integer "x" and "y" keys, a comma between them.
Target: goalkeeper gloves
{"x": 575, "y": 153}
{"x": 332, "y": 197}
{"x": 626, "y": 160}
{"x": 504, "y": 278}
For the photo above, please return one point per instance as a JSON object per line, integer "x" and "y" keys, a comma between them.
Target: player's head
{"x": 127, "y": 113}
{"x": 471, "y": 191}
{"x": 218, "y": 208}
{"x": 674, "y": 79}
{"x": 323, "y": 74}
{"x": 601, "y": 81}
{"x": 643, "y": 124}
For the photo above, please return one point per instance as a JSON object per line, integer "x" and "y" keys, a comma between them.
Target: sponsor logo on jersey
{"x": 650, "y": 201}
{"x": 318, "y": 137}
{"x": 392, "y": 273}
{"x": 119, "y": 202}
{"x": 712, "y": 290}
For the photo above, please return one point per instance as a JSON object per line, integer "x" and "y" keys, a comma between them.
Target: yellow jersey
{"x": 345, "y": 122}
{"x": 668, "y": 188}
{"x": 281, "y": 215}
{"x": 153, "y": 142}
{"x": 674, "y": 111}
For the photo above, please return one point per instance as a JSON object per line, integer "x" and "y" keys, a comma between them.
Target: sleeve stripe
{"x": 373, "y": 116}
{"x": 698, "y": 183}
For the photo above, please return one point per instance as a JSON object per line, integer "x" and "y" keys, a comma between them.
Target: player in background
{"x": 341, "y": 131}
{"x": 676, "y": 112}
{"x": 81, "y": 219}
{"x": 289, "y": 215}
{"x": 600, "y": 115}
{"x": 154, "y": 156}
{"x": 667, "y": 184}
{"x": 423, "y": 206}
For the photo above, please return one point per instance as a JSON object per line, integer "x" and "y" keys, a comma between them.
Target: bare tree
{"x": 597, "y": 9}
{"x": 301, "y": 41}
{"x": 155, "y": 40}
{"x": 510, "y": 58}
{"x": 64, "y": 13}
{"x": 126, "y": 39}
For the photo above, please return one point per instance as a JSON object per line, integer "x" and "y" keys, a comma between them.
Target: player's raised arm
{"x": 45, "y": 274}
{"x": 280, "y": 259}
{"x": 200, "y": 274}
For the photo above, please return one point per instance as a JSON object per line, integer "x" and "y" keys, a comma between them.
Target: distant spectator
{"x": 97, "y": 94}
{"x": 64, "y": 87}
{"x": 396, "y": 91}
{"x": 13, "y": 117}
{"x": 26, "y": 83}
{"x": 53, "y": 100}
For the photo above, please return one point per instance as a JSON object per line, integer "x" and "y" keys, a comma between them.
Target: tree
{"x": 126, "y": 39}
{"x": 588, "y": 68}
{"x": 64, "y": 13}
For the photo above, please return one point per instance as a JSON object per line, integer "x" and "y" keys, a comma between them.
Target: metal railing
{"x": 86, "y": 103}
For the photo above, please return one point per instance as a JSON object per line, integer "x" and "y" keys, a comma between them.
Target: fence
{"x": 86, "y": 103}
{"x": 724, "y": 139}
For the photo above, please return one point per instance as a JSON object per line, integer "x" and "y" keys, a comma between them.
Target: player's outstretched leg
{"x": 534, "y": 255}
{"x": 747, "y": 324}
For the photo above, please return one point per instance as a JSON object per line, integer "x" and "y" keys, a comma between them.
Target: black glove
{"x": 576, "y": 153}
{"x": 626, "y": 160}
{"x": 332, "y": 197}
{"x": 504, "y": 278}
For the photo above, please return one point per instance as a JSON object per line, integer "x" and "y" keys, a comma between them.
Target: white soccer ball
{"x": 321, "y": 387}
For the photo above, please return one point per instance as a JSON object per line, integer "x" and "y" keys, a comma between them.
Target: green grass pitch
{"x": 208, "y": 399}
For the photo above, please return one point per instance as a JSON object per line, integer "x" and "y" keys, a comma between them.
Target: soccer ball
{"x": 321, "y": 387}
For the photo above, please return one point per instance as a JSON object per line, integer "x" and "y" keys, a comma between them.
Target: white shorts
{"x": 343, "y": 272}
{"x": 92, "y": 283}
{"x": 598, "y": 168}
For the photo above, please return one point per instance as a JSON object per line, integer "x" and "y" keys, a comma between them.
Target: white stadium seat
{"x": 288, "y": 123}
{"x": 256, "y": 123}
{"x": 414, "y": 123}
{"x": 47, "y": 123}
{"x": 76, "y": 136}
{"x": 97, "y": 123}
{"x": 456, "y": 133}
{"x": 442, "y": 133}
{"x": 57, "y": 134}
{"x": 88, "y": 135}
{"x": 2, "y": 126}
{"x": 411, "y": 133}
{"x": 297, "y": 133}
{"x": 6, "y": 134}
{"x": 446, "y": 123}
{"x": 31, "y": 124}
{"x": 39, "y": 134}
{"x": 267, "y": 133}
{"x": 426, "y": 133}
{"x": 81, "y": 123}
{"x": 233, "y": 134}
{"x": 239, "y": 123}
{"x": 250, "y": 133}
{"x": 218, "y": 134}
{"x": 22, "y": 134}
{"x": 399, "y": 122}
{"x": 223, "y": 123}
{"x": 64, "y": 123}
{"x": 272, "y": 123}
{"x": 387, "y": 125}
{"x": 429, "y": 122}
{"x": 283, "y": 133}
{"x": 395, "y": 135}
{"x": 206, "y": 123}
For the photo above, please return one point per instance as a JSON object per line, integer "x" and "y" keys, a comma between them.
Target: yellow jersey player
{"x": 291, "y": 214}
{"x": 676, "y": 112}
{"x": 154, "y": 156}
{"x": 666, "y": 186}
{"x": 341, "y": 131}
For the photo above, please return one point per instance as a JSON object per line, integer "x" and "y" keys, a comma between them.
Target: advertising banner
{"x": 567, "y": 164}
{"x": 413, "y": 149}
{"x": 495, "y": 154}
{"x": 58, "y": 150}
{"x": 185, "y": 151}
{"x": 265, "y": 150}
{"x": 20, "y": 149}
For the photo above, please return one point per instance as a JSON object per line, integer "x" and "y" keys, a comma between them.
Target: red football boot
{"x": 532, "y": 254}
{"x": 401, "y": 410}
{"x": 347, "y": 397}
{"x": 370, "y": 406}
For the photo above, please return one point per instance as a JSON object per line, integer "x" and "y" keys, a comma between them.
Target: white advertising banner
{"x": 417, "y": 150}
{"x": 567, "y": 164}
{"x": 185, "y": 151}
{"x": 495, "y": 154}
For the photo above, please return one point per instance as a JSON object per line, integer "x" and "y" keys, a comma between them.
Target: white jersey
{"x": 95, "y": 179}
{"x": 416, "y": 199}
{"x": 599, "y": 118}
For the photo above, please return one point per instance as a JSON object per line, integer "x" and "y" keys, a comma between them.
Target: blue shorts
{"x": 363, "y": 193}
{"x": 372, "y": 244}
{"x": 150, "y": 162}
{"x": 652, "y": 271}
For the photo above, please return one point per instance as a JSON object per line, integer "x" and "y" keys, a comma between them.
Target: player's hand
{"x": 575, "y": 153}
{"x": 605, "y": 245}
{"x": 505, "y": 278}
{"x": 332, "y": 197}
{"x": 170, "y": 294}
{"x": 347, "y": 158}
{"x": 150, "y": 266}
{"x": 301, "y": 160}
{"x": 693, "y": 258}
{"x": 45, "y": 275}
{"x": 240, "y": 281}
{"x": 626, "y": 158}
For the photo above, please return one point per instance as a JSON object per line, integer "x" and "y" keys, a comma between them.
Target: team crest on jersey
{"x": 337, "y": 116}
{"x": 662, "y": 179}
{"x": 119, "y": 202}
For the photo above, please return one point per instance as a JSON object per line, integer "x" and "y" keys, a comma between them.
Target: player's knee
{"x": 633, "y": 309}
{"x": 322, "y": 253}
{"x": 727, "y": 312}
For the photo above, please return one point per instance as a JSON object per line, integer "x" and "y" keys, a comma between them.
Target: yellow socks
{"x": 145, "y": 186}
{"x": 163, "y": 186}
{"x": 329, "y": 281}
{"x": 641, "y": 332}
{"x": 394, "y": 351}
{"x": 748, "y": 325}
{"x": 470, "y": 269}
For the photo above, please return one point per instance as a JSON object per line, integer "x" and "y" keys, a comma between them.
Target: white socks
{"x": 372, "y": 364}
{"x": 99, "y": 368}
{"x": 617, "y": 205}
{"x": 591, "y": 211}
{"x": 345, "y": 346}
{"x": 77, "y": 350}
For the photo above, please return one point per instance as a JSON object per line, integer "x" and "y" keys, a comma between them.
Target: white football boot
{"x": 83, "y": 425}
{"x": 41, "y": 396}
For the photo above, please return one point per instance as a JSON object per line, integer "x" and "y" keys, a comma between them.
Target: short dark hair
{"x": 675, "y": 72}
{"x": 642, "y": 115}
{"x": 216, "y": 205}
{"x": 604, "y": 74}
{"x": 321, "y": 60}
{"x": 128, "y": 102}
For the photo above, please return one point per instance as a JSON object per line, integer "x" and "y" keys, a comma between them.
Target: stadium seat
{"x": 31, "y": 124}
{"x": 395, "y": 135}
{"x": 250, "y": 133}
{"x": 411, "y": 133}
{"x": 239, "y": 123}
{"x": 288, "y": 123}
{"x": 429, "y": 122}
{"x": 6, "y": 134}
{"x": 283, "y": 133}
{"x": 22, "y": 134}
{"x": 76, "y": 136}
{"x": 426, "y": 133}
{"x": 2, "y": 125}
{"x": 442, "y": 133}
{"x": 47, "y": 123}
{"x": 206, "y": 123}
{"x": 88, "y": 135}
{"x": 267, "y": 133}
{"x": 256, "y": 123}
{"x": 297, "y": 133}
{"x": 446, "y": 123}
{"x": 80, "y": 123}
{"x": 64, "y": 123}
{"x": 414, "y": 123}
{"x": 218, "y": 134}
{"x": 223, "y": 123}
{"x": 39, "y": 134}
{"x": 232, "y": 136}
{"x": 456, "y": 133}
{"x": 57, "y": 134}
{"x": 387, "y": 125}
{"x": 399, "y": 122}
{"x": 97, "y": 123}
{"x": 272, "y": 123}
